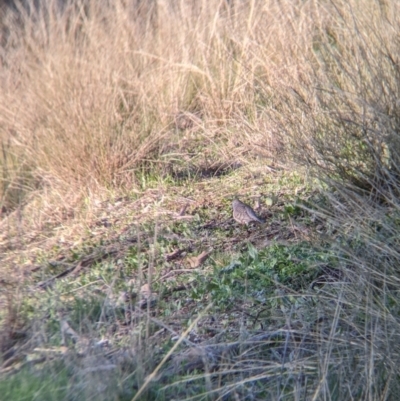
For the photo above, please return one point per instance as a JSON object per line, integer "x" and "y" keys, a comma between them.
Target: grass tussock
{"x": 140, "y": 121}
{"x": 100, "y": 87}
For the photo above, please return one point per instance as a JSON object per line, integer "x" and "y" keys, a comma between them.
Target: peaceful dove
{"x": 243, "y": 213}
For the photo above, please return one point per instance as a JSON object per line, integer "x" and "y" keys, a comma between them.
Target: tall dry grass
{"x": 90, "y": 93}
{"x": 343, "y": 123}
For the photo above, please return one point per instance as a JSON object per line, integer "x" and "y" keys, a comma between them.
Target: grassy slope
{"x": 124, "y": 140}
{"x": 101, "y": 296}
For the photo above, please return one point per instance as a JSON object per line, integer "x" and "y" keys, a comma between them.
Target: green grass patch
{"x": 293, "y": 267}
{"x": 49, "y": 383}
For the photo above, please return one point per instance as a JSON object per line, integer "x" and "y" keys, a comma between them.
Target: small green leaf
{"x": 253, "y": 252}
{"x": 269, "y": 201}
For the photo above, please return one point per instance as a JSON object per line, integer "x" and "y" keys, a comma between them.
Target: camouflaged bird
{"x": 243, "y": 213}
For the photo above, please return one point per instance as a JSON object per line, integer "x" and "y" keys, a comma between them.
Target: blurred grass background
{"x": 106, "y": 100}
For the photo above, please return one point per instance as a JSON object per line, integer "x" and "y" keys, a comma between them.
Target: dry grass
{"x": 99, "y": 88}
{"x": 134, "y": 105}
